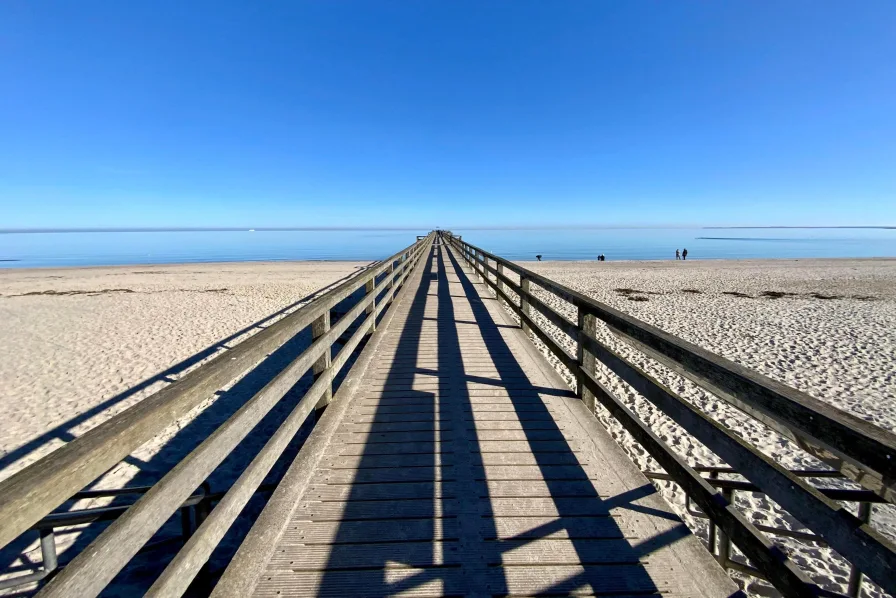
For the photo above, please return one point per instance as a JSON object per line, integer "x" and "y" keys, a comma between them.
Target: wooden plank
{"x": 480, "y": 425}
{"x": 528, "y": 434}
{"x": 247, "y": 565}
{"x": 375, "y": 437}
{"x": 545, "y": 507}
{"x": 524, "y": 528}
{"x": 578, "y": 580}
{"x": 515, "y": 445}
{"x": 415, "y": 508}
{"x": 399, "y": 460}
{"x": 529, "y": 458}
{"x": 93, "y": 569}
{"x": 400, "y": 426}
{"x": 398, "y": 535}
{"x": 297, "y": 557}
{"x": 362, "y": 583}
{"x": 561, "y": 551}
{"x": 383, "y": 476}
{"x": 391, "y": 448}
{"x": 870, "y": 451}
{"x": 384, "y": 530}
{"x": 530, "y": 472}
{"x": 541, "y": 489}
{"x": 788, "y": 578}
{"x": 858, "y": 542}
{"x": 344, "y": 492}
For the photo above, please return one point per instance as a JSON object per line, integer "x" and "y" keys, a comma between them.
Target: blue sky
{"x": 446, "y": 113}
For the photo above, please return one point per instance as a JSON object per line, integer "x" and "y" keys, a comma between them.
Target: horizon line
{"x": 130, "y": 229}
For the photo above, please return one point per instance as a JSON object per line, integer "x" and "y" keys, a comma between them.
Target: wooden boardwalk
{"x": 463, "y": 465}
{"x": 447, "y": 457}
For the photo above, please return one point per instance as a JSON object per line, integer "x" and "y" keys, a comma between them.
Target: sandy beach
{"x": 83, "y": 344}
{"x": 826, "y": 327}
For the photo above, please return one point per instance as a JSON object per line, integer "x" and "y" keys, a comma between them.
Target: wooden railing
{"x": 29, "y": 495}
{"x": 859, "y": 450}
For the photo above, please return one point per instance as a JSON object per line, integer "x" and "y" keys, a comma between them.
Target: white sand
{"x": 84, "y": 340}
{"x": 841, "y": 350}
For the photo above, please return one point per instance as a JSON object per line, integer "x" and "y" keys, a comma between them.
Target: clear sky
{"x": 223, "y": 113}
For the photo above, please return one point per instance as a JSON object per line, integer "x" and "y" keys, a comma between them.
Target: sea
{"x": 105, "y": 248}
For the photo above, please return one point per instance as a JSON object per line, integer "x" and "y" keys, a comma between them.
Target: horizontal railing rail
{"x": 855, "y": 448}
{"x": 720, "y": 544}
{"x": 29, "y": 495}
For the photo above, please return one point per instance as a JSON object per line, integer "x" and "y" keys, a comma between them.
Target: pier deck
{"x": 463, "y": 465}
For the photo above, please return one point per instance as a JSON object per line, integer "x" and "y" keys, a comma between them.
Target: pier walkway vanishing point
{"x": 448, "y": 457}
{"x": 465, "y": 466}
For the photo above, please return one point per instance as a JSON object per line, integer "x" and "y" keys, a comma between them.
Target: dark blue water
{"x": 116, "y": 248}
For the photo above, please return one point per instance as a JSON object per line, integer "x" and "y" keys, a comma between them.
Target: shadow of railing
{"x": 420, "y": 509}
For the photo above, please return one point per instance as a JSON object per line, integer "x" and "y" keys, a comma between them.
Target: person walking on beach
{"x": 677, "y": 254}
{"x": 684, "y": 253}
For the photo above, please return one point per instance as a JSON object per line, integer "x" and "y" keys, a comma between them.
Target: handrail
{"x": 31, "y": 493}
{"x": 862, "y": 451}
{"x": 823, "y": 426}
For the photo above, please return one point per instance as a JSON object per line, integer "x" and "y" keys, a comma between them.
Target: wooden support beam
{"x": 587, "y": 328}
{"x": 525, "y": 293}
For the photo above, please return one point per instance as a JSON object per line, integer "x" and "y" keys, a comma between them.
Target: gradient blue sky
{"x": 171, "y": 113}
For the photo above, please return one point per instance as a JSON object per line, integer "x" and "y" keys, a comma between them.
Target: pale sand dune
{"x": 833, "y": 335}
{"x": 80, "y": 345}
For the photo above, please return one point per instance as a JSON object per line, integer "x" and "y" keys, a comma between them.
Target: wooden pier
{"x": 452, "y": 459}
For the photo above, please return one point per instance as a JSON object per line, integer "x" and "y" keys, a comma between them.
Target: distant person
{"x": 677, "y": 254}
{"x": 538, "y": 257}
{"x": 684, "y": 254}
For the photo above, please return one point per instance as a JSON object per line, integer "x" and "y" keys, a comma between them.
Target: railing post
{"x": 724, "y": 541}
{"x": 321, "y": 367}
{"x": 500, "y": 267}
{"x": 713, "y": 530}
{"x": 524, "y": 303}
{"x": 370, "y": 289}
{"x": 586, "y": 359}
{"x": 854, "y": 587}
{"x": 389, "y": 275}
{"x": 48, "y": 549}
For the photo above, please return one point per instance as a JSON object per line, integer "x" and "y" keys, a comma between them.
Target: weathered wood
{"x": 738, "y": 393}
{"x": 783, "y": 573}
{"x": 177, "y": 577}
{"x": 380, "y": 503}
{"x": 525, "y": 294}
{"x": 819, "y": 428}
{"x": 558, "y": 320}
{"x": 370, "y": 289}
{"x": 247, "y": 565}
{"x": 499, "y": 275}
{"x": 321, "y": 367}
{"x": 862, "y": 451}
{"x": 858, "y": 542}
{"x": 95, "y": 567}
{"x": 587, "y": 328}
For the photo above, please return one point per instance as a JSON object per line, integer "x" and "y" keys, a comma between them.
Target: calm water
{"x": 113, "y": 248}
